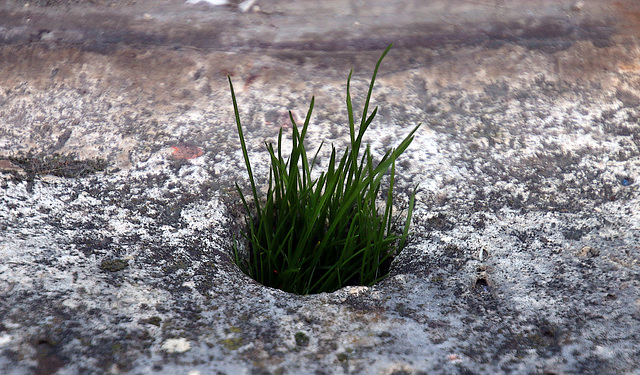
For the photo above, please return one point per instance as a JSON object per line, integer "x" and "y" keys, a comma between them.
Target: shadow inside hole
{"x": 481, "y": 286}
{"x": 246, "y": 252}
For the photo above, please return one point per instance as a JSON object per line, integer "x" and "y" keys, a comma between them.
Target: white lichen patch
{"x": 179, "y": 345}
{"x": 357, "y": 290}
{"x": 5, "y": 339}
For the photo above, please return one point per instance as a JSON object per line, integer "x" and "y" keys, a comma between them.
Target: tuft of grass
{"x": 312, "y": 235}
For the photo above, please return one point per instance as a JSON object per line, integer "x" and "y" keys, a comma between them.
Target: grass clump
{"x": 312, "y": 235}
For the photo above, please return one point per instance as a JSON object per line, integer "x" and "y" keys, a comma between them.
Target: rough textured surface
{"x": 118, "y": 155}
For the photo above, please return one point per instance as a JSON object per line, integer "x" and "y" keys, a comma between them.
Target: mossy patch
{"x": 232, "y": 343}
{"x": 28, "y": 166}
{"x": 154, "y": 320}
{"x": 114, "y": 265}
{"x": 301, "y": 339}
{"x": 59, "y": 165}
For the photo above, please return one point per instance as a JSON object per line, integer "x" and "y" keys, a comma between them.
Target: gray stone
{"x": 119, "y": 155}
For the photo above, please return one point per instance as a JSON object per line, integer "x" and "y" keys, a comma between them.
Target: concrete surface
{"x": 118, "y": 155}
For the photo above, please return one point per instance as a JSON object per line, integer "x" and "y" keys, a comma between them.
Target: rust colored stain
{"x": 630, "y": 11}
{"x": 186, "y": 151}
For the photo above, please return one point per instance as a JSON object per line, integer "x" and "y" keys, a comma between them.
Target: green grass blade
{"x": 373, "y": 79}
{"x": 245, "y": 153}
{"x": 405, "y": 231}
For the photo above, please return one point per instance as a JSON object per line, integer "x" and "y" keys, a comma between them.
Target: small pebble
{"x": 577, "y": 6}
{"x": 589, "y": 252}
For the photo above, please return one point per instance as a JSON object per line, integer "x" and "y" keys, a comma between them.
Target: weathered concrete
{"x": 527, "y": 227}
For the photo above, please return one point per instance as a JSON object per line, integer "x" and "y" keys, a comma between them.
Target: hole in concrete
{"x": 481, "y": 285}
{"x": 48, "y": 362}
{"x": 246, "y": 252}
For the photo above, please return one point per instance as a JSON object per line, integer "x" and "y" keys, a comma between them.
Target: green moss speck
{"x": 114, "y": 265}
{"x": 232, "y": 344}
{"x": 155, "y": 320}
{"x": 342, "y": 357}
{"x": 301, "y": 339}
